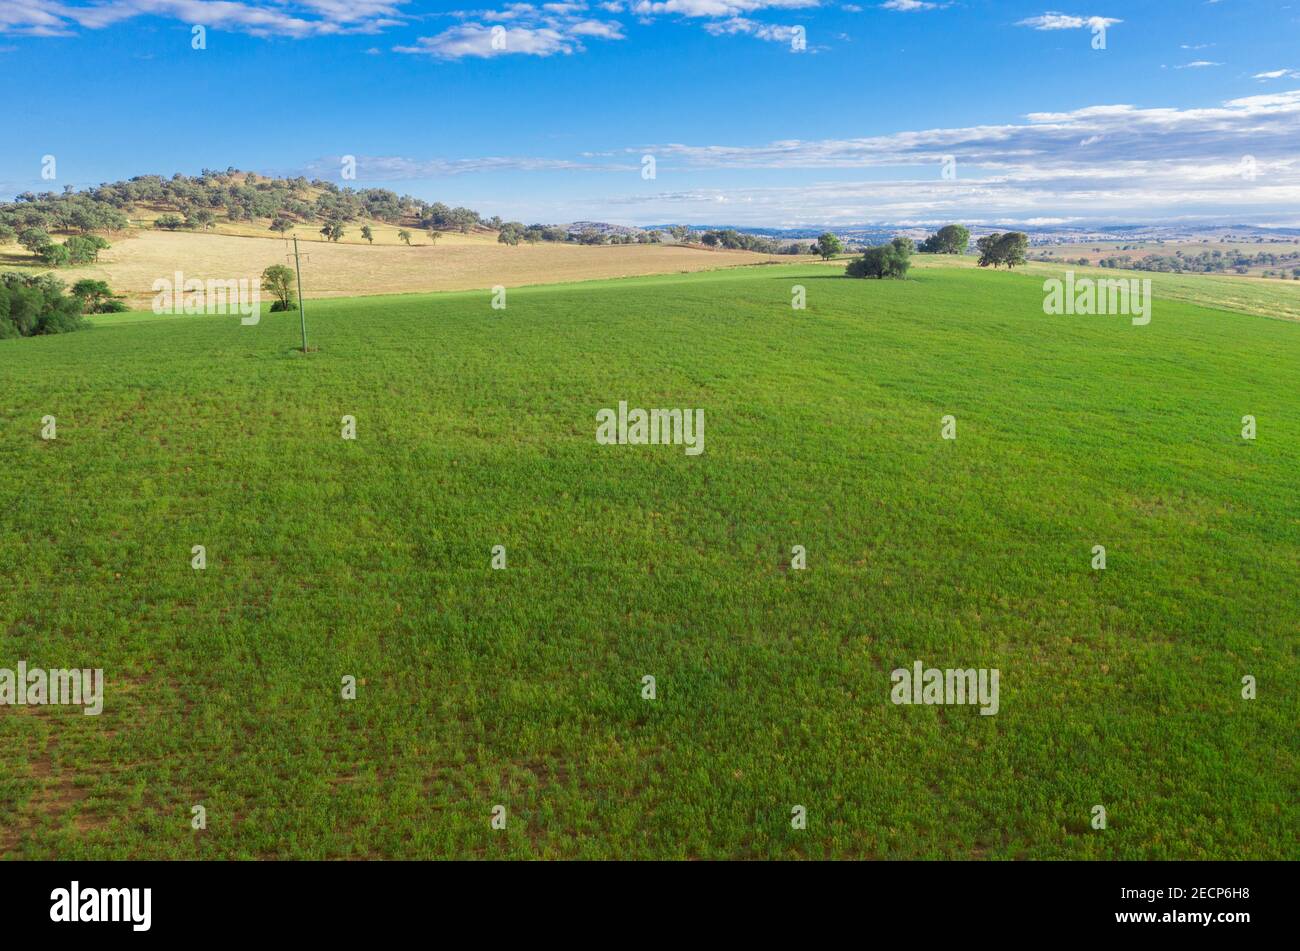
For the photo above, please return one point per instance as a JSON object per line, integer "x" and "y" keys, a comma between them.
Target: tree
{"x": 950, "y": 239}
{"x": 405, "y": 236}
{"x": 53, "y": 255}
{"x": 1012, "y": 248}
{"x": 97, "y": 298}
{"x": 200, "y": 218}
{"x": 84, "y": 249}
{"x": 511, "y": 233}
{"x": 887, "y": 260}
{"x": 464, "y": 219}
{"x": 333, "y": 230}
{"x": 282, "y": 225}
{"x": 681, "y": 233}
{"x": 1008, "y": 249}
{"x": 7, "y": 234}
{"x": 434, "y": 235}
{"x": 278, "y": 281}
{"x": 169, "y": 222}
{"x": 33, "y": 239}
{"x": 367, "y": 233}
{"x": 828, "y": 245}
{"x": 988, "y": 249}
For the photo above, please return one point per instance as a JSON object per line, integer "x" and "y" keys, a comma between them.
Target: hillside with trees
{"x": 199, "y": 203}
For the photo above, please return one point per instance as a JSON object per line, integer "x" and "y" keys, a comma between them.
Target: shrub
{"x": 34, "y": 305}
{"x": 886, "y": 260}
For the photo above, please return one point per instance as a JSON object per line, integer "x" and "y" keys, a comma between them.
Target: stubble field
{"x": 354, "y": 269}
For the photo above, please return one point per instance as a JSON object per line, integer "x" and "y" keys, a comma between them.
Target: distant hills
{"x": 865, "y": 234}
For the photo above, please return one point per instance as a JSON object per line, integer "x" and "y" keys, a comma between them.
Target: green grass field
{"x": 522, "y": 687}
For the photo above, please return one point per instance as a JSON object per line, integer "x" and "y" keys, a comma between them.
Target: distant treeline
{"x": 1205, "y": 262}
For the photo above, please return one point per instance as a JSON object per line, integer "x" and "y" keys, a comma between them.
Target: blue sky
{"x": 1191, "y": 110}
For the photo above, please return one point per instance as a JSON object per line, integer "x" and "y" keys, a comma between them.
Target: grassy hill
{"x": 522, "y": 687}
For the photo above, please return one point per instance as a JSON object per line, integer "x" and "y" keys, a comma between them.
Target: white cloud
{"x": 476, "y": 39}
{"x": 714, "y": 8}
{"x": 536, "y": 29}
{"x": 289, "y": 18}
{"x": 600, "y": 29}
{"x": 1278, "y": 74}
{"x": 907, "y": 6}
{"x": 1198, "y": 64}
{"x": 1065, "y": 21}
{"x": 741, "y": 25}
{"x": 519, "y": 28}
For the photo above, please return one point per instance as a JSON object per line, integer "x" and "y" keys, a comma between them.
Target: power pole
{"x": 302, "y": 314}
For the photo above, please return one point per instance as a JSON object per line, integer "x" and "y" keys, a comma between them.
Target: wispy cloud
{"x": 1065, "y": 21}
{"x": 909, "y": 6}
{"x": 1103, "y": 162}
{"x": 297, "y": 18}
{"x": 1116, "y": 161}
{"x": 764, "y": 31}
{"x": 1278, "y": 74}
{"x": 729, "y": 17}
{"x": 1256, "y": 123}
{"x": 714, "y": 8}
{"x": 531, "y": 29}
{"x": 393, "y": 168}
{"x": 518, "y": 29}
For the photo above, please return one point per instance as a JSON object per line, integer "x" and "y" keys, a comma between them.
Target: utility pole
{"x": 302, "y": 314}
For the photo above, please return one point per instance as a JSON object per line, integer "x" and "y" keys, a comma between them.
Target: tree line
{"x": 1204, "y": 262}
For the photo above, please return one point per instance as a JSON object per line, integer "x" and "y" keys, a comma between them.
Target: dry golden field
{"x": 455, "y": 262}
